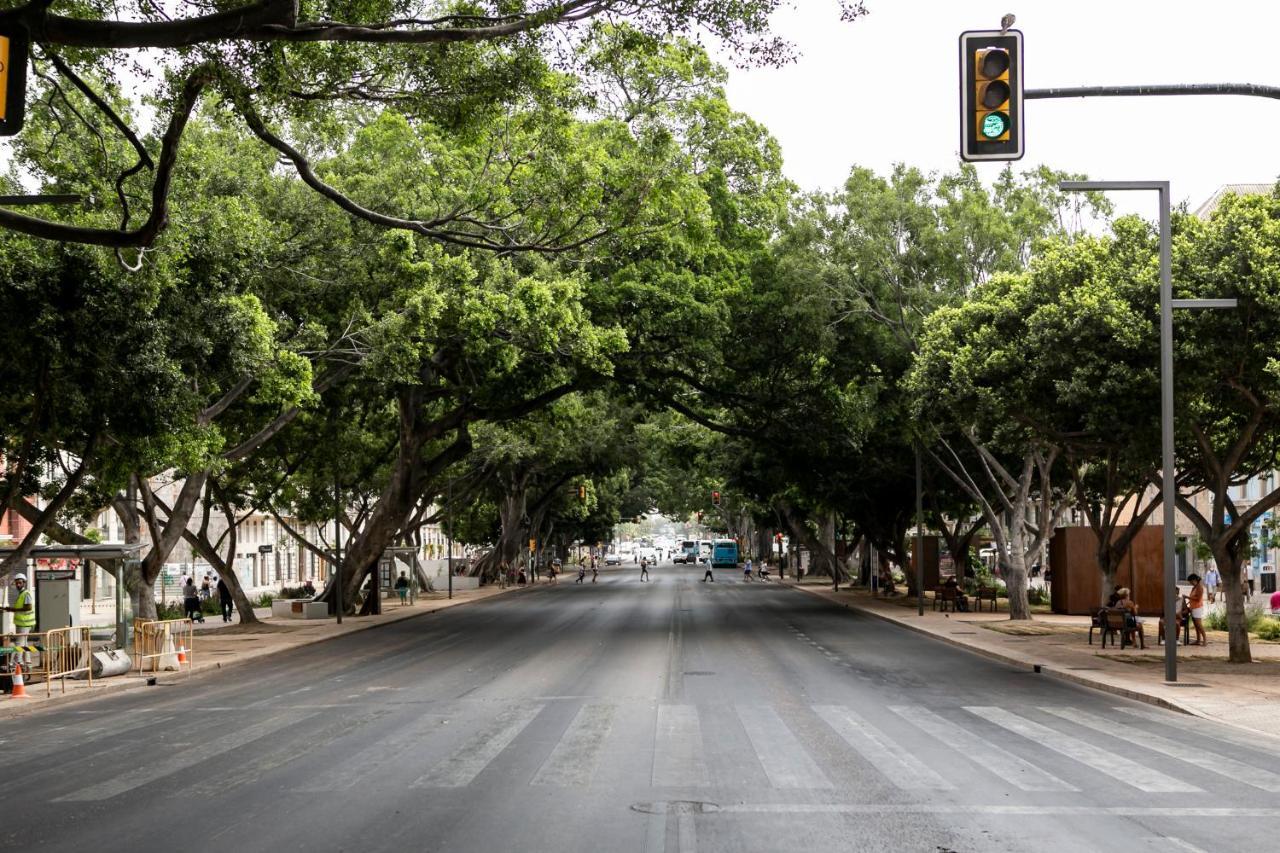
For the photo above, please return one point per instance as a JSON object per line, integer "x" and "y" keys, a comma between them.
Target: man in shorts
{"x": 644, "y": 569}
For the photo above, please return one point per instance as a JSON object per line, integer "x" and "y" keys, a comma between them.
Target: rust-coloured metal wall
{"x": 1077, "y": 578}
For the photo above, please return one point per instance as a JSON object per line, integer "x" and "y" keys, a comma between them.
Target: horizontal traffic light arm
{"x": 1247, "y": 89}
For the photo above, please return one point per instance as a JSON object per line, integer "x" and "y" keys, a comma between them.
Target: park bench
{"x": 1116, "y": 624}
{"x": 986, "y": 593}
{"x": 945, "y": 597}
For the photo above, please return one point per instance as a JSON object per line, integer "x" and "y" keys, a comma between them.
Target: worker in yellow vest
{"x": 24, "y": 615}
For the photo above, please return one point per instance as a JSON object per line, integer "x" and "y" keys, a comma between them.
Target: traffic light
{"x": 715, "y": 499}
{"x": 991, "y": 116}
{"x": 13, "y": 78}
{"x": 582, "y": 492}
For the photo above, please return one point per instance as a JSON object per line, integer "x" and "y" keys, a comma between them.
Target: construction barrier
{"x": 162, "y": 645}
{"x": 68, "y": 652}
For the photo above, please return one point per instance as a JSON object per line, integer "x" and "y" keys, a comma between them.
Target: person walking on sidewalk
{"x": 644, "y": 569}
{"x": 402, "y": 588}
{"x": 191, "y": 600}
{"x": 1212, "y": 580}
{"x": 24, "y": 618}
{"x": 228, "y": 604}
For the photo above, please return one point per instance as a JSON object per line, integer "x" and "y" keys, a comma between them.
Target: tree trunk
{"x": 1015, "y": 571}
{"x": 1237, "y": 631}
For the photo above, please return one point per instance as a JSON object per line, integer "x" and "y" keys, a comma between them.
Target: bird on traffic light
{"x": 1006, "y": 22}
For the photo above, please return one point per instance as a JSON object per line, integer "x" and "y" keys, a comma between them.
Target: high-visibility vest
{"x": 24, "y": 618}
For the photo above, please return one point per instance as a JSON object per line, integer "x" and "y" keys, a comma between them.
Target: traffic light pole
{"x": 1247, "y": 89}
{"x": 1167, "y": 304}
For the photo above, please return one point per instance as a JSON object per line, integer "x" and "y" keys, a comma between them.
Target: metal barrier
{"x": 67, "y": 652}
{"x": 155, "y": 643}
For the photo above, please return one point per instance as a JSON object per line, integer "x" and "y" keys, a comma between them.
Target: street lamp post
{"x": 919, "y": 533}
{"x": 1167, "y": 304}
{"x": 448, "y": 531}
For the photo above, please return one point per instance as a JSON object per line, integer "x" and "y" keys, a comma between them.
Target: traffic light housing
{"x": 991, "y": 114}
{"x": 582, "y": 493}
{"x": 715, "y": 499}
{"x": 13, "y": 78}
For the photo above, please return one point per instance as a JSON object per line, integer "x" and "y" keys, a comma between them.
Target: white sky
{"x": 884, "y": 89}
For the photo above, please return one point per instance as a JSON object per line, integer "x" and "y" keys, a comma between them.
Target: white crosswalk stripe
{"x": 1205, "y": 728}
{"x": 898, "y": 766}
{"x": 679, "y": 757}
{"x": 1014, "y": 770}
{"x": 372, "y": 758}
{"x": 573, "y": 761}
{"x": 781, "y": 754}
{"x": 1201, "y": 758}
{"x": 1104, "y": 761}
{"x": 469, "y": 760}
{"x": 181, "y": 760}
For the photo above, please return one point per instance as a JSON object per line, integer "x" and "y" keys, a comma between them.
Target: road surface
{"x": 673, "y": 715}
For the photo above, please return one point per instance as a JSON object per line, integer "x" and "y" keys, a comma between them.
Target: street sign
{"x": 991, "y": 116}
{"x": 13, "y": 77}
{"x": 55, "y": 574}
{"x": 265, "y": 549}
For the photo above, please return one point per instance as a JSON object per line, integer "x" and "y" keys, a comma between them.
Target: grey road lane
{"x": 674, "y": 715}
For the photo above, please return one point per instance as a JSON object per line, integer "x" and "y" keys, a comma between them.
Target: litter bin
{"x": 1269, "y": 582}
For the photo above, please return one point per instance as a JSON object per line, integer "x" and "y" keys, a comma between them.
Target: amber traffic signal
{"x": 991, "y": 117}
{"x": 13, "y": 78}
{"x": 582, "y": 492}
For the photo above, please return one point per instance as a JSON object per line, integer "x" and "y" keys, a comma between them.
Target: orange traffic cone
{"x": 182, "y": 654}
{"x": 19, "y": 686}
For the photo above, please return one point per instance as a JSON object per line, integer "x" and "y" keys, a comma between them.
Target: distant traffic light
{"x": 582, "y": 492}
{"x": 13, "y": 78}
{"x": 991, "y": 116}
{"x": 715, "y": 499}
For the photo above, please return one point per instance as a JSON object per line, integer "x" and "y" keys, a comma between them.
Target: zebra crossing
{"x": 562, "y": 742}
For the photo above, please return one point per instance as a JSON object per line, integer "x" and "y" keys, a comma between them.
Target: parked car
{"x": 613, "y": 558}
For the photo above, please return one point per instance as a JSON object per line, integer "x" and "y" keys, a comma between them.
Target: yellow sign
{"x": 4, "y": 77}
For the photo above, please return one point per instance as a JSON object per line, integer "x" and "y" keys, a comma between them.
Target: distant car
{"x": 614, "y": 559}
{"x": 650, "y": 553}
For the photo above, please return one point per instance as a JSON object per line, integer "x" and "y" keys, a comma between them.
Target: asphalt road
{"x": 673, "y": 715}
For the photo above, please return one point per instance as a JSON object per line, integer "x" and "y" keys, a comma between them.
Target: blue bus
{"x": 724, "y": 554}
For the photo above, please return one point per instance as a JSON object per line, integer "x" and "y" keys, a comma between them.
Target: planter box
{"x": 299, "y": 608}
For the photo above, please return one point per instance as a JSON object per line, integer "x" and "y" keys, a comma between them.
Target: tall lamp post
{"x": 448, "y": 530}
{"x": 1167, "y": 304}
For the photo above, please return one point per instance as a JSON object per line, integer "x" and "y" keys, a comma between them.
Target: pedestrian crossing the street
{"x": 680, "y": 748}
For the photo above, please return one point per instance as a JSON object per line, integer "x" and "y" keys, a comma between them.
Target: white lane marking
{"x": 1201, "y": 758}
{"x": 1104, "y": 761}
{"x": 180, "y": 760}
{"x": 679, "y": 758}
{"x": 574, "y": 759}
{"x": 1206, "y": 728}
{"x": 470, "y": 759}
{"x": 1170, "y": 812}
{"x": 780, "y": 752}
{"x": 1009, "y": 767}
{"x": 374, "y": 757}
{"x": 898, "y": 766}
{"x": 1167, "y": 840}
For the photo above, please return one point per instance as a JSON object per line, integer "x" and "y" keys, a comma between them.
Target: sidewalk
{"x": 220, "y": 645}
{"x": 1244, "y": 696}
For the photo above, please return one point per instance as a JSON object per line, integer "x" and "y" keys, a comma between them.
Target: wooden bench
{"x": 987, "y": 593}
{"x": 1115, "y": 623}
{"x": 945, "y": 597}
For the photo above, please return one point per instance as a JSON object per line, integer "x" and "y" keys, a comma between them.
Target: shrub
{"x": 1037, "y": 595}
{"x": 264, "y": 600}
{"x": 1269, "y": 629}
{"x": 1254, "y": 616}
{"x": 293, "y": 592}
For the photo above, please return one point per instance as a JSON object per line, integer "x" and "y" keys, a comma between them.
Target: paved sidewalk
{"x": 219, "y": 645}
{"x": 1245, "y": 696}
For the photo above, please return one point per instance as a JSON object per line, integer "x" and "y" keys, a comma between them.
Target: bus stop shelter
{"x": 108, "y": 556}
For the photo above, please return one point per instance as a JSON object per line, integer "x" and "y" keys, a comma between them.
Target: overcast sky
{"x": 884, "y": 89}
